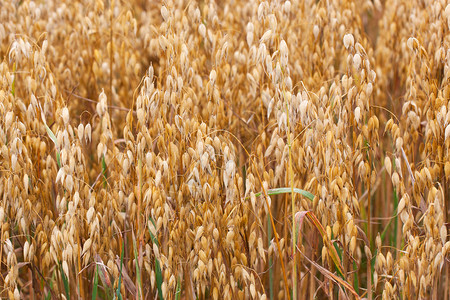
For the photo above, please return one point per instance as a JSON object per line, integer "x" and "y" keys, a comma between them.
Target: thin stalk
{"x": 446, "y": 292}
{"x": 312, "y": 281}
{"x": 139, "y": 233}
{"x": 118, "y": 293}
{"x": 291, "y": 179}
{"x": 369, "y": 236}
{"x": 446, "y": 269}
{"x": 80, "y": 279}
{"x": 111, "y": 58}
{"x": 355, "y": 277}
{"x": 269, "y": 238}
{"x": 13, "y": 86}
{"x": 269, "y": 226}
{"x": 397, "y": 234}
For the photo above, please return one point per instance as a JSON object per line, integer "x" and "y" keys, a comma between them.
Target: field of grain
{"x": 236, "y": 149}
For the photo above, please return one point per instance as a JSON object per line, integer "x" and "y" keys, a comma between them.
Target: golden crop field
{"x": 240, "y": 149}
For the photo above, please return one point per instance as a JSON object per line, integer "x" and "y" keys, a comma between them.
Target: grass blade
{"x": 178, "y": 290}
{"x": 104, "y": 276}
{"x": 138, "y": 271}
{"x": 158, "y": 272}
{"x": 65, "y": 281}
{"x": 51, "y": 135}
{"x": 118, "y": 294}
{"x": 128, "y": 283}
{"x": 49, "y": 294}
{"x": 286, "y": 190}
{"x": 54, "y": 140}
{"x": 104, "y": 171}
{"x": 95, "y": 287}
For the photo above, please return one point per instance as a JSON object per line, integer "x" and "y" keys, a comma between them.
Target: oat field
{"x": 239, "y": 149}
